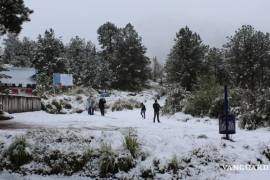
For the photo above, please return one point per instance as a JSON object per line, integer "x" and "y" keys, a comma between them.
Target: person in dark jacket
{"x": 156, "y": 107}
{"x": 143, "y": 109}
{"x": 101, "y": 105}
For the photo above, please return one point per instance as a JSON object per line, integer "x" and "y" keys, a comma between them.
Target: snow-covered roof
{"x": 19, "y": 75}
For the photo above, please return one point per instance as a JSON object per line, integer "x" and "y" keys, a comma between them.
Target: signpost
{"x": 226, "y": 120}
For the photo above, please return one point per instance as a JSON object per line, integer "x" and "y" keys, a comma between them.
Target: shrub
{"x": 176, "y": 99}
{"x": 57, "y": 105}
{"x": 147, "y": 174}
{"x": 173, "y": 165}
{"x": 68, "y": 106}
{"x": 131, "y": 143}
{"x": 125, "y": 104}
{"x": 19, "y": 152}
{"x": 202, "y": 99}
{"x": 216, "y": 108}
{"x": 255, "y": 110}
{"x": 266, "y": 153}
{"x": 108, "y": 163}
{"x": 66, "y": 163}
{"x": 125, "y": 163}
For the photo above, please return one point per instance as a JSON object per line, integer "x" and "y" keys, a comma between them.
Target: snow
{"x": 19, "y": 75}
{"x": 178, "y": 135}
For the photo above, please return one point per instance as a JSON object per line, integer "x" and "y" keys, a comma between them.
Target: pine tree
{"x": 12, "y": 47}
{"x": 108, "y": 37}
{"x": 76, "y": 57}
{"x": 91, "y": 66}
{"x": 157, "y": 70}
{"x": 185, "y": 59}
{"x": 12, "y": 15}
{"x": 247, "y": 54}
{"x": 216, "y": 67}
{"x": 49, "y": 57}
{"x": 132, "y": 64}
{"x": 103, "y": 73}
{"x": 18, "y": 53}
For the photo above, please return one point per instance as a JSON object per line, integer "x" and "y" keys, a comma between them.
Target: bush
{"x": 67, "y": 164}
{"x": 19, "y": 152}
{"x": 202, "y": 99}
{"x": 147, "y": 174}
{"x": 255, "y": 110}
{"x": 125, "y": 104}
{"x": 216, "y": 108}
{"x": 108, "y": 165}
{"x": 131, "y": 143}
{"x": 173, "y": 165}
{"x": 125, "y": 163}
{"x": 176, "y": 99}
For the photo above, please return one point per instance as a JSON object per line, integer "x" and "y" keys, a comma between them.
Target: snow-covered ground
{"x": 178, "y": 135}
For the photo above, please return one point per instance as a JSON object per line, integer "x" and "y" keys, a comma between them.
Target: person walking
{"x": 89, "y": 105}
{"x": 156, "y": 107}
{"x": 143, "y": 109}
{"x": 101, "y": 105}
{"x": 92, "y": 106}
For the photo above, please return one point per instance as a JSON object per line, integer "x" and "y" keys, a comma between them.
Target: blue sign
{"x": 62, "y": 79}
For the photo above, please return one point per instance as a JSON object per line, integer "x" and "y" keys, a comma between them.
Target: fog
{"x": 156, "y": 21}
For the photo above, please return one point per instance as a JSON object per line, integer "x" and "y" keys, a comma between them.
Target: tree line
{"x": 121, "y": 63}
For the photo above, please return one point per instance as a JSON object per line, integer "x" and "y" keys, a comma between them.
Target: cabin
{"x": 20, "y": 81}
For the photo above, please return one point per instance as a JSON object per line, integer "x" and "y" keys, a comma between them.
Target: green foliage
{"x": 202, "y": 99}
{"x": 248, "y": 57}
{"x": 173, "y": 165}
{"x": 255, "y": 110}
{"x": 67, "y": 164}
{"x": 125, "y": 163}
{"x": 131, "y": 143}
{"x": 19, "y": 53}
{"x": 19, "y": 152}
{"x": 49, "y": 58}
{"x": 122, "y": 49}
{"x": 12, "y": 15}
{"x": 176, "y": 99}
{"x": 217, "y": 107}
{"x": 108, "y": 165}
{"x": 147, "y": 174}
{"x": 125, "y": 104}
{"x": 185, "y": 60}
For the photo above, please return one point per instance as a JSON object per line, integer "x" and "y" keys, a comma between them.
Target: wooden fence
{"x": 17, "y": 104}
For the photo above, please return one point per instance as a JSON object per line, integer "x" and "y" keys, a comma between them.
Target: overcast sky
{"x": 156, "y": 21}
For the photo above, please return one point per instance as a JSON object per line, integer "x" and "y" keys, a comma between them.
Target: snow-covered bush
{"x": 266, "y": 152}
{"x": 125, "y": 104}
{"x": 132, "y": 145}
{"x": 19, "y": 152}
{"x": 108, "y": 164}
{"x": 64, "y": 104}
{"x": 176, "y": 99}
{"x": 255, "y": 110}
{"x": 217, "y": 107}
{"x": 147, "y": 173}
{"x": 67, "y": 164}
{"x": 203, "y": 98}
{"x": 125, "y": 163}
{"x": 173, "y": 165}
